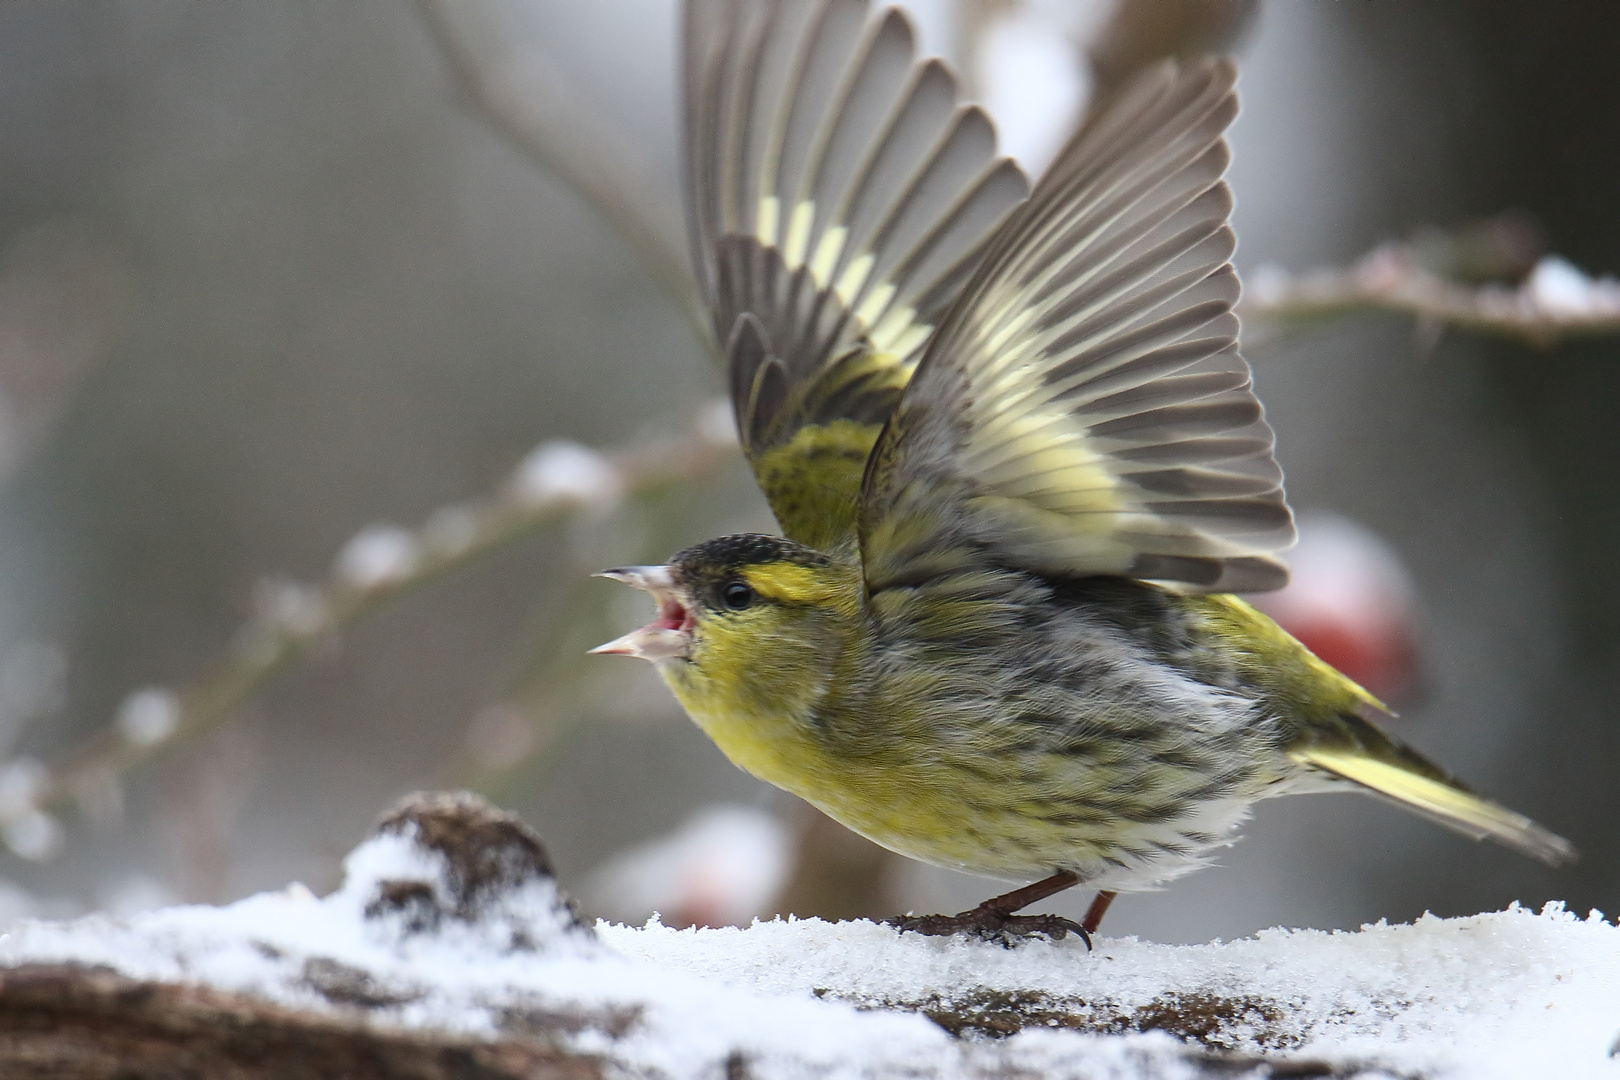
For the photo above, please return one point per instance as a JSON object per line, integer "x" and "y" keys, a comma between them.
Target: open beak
{"x": 667, "y": 636}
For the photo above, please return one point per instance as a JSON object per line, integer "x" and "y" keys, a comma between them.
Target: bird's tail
{"x": 1382, "y": 765}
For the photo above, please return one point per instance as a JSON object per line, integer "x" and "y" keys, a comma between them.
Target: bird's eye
{"x": 737, "y": 596}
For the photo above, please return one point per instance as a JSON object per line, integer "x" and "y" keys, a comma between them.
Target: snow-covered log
{"x": 449, "y": 951}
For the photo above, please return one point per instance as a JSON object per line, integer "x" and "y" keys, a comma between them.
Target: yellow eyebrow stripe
{"x": 791, "y": 583}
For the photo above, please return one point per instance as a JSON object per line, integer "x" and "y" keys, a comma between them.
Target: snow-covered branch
{"x": 450, "y": 943}
{"x": 1555, "y": 301}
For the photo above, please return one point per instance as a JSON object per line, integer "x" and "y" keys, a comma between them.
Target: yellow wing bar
{"x": 1442, "y": 802}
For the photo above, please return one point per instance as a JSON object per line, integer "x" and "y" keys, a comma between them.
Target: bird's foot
{"x": 992, "y": 924}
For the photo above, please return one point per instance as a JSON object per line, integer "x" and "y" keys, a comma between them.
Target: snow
{"x": 415, "y": 938}
{"x": 377, "y": 555}
{"x": 566, "y": 471}
{"x": 1560, "y": 288}
{"x": 148, "y": 716}
{"x": 26, "y": 830}
{"x": 1513, "y": 993}
{"x": 34, "y": 835}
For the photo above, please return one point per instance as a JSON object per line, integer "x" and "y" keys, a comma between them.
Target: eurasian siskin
{"x": 1020, "y": 470}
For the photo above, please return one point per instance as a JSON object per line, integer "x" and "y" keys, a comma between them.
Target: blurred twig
{"x": 1554, "y": 301}
{"x": 551, "y": 695}
{"x": 555, "y": 482}
{"x": 536, "y": 107}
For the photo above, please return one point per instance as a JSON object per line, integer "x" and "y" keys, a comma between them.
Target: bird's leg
{"x": 994, "y": 919}
{"x": 1095, "y": 913}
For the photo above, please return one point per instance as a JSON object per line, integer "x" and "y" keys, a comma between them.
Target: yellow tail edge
{"x": 1458, "y": 810}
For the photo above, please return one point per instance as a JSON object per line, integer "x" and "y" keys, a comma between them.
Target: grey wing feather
{"x": 1084, "y": 409}
{"x": 838, "y": 192}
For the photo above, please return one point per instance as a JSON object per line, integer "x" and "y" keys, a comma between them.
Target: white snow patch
{"x": 567, "y": 471}
{"x": 35, "y": 835}
{"x": 148, "y": 716}
{"x": 377, "y": 555}
{"x": 1510, "y": 994}
{"x": 1560, "y": 288}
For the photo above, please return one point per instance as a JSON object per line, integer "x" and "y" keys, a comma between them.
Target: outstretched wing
{"x": 1083, "y": 409}
{"x": 838, "y": 197}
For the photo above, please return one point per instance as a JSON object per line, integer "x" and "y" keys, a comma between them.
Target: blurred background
{"x": 272, "y": 278}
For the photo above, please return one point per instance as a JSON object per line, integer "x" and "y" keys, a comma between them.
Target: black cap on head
{"x": 711, "y": 571}
{"x": 728, "y": 554}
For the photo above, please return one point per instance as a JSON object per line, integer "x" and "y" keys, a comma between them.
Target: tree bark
{"x": 74, "y": 1022}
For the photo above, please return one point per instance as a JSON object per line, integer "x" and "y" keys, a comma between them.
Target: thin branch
{"x": 1555, "y": 301}
{"x": 540, "y": 112}
{"x": 549, "y": 701}
{"x": 382, "y": 563}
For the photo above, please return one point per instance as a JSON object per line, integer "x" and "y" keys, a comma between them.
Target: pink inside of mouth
{"x": 672, "y": 615}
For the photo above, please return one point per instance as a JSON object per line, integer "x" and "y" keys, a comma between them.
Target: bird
{"x": 1020, "y": 472}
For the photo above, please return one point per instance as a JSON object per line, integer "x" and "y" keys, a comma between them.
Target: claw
{"x": 991, "y": 924}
